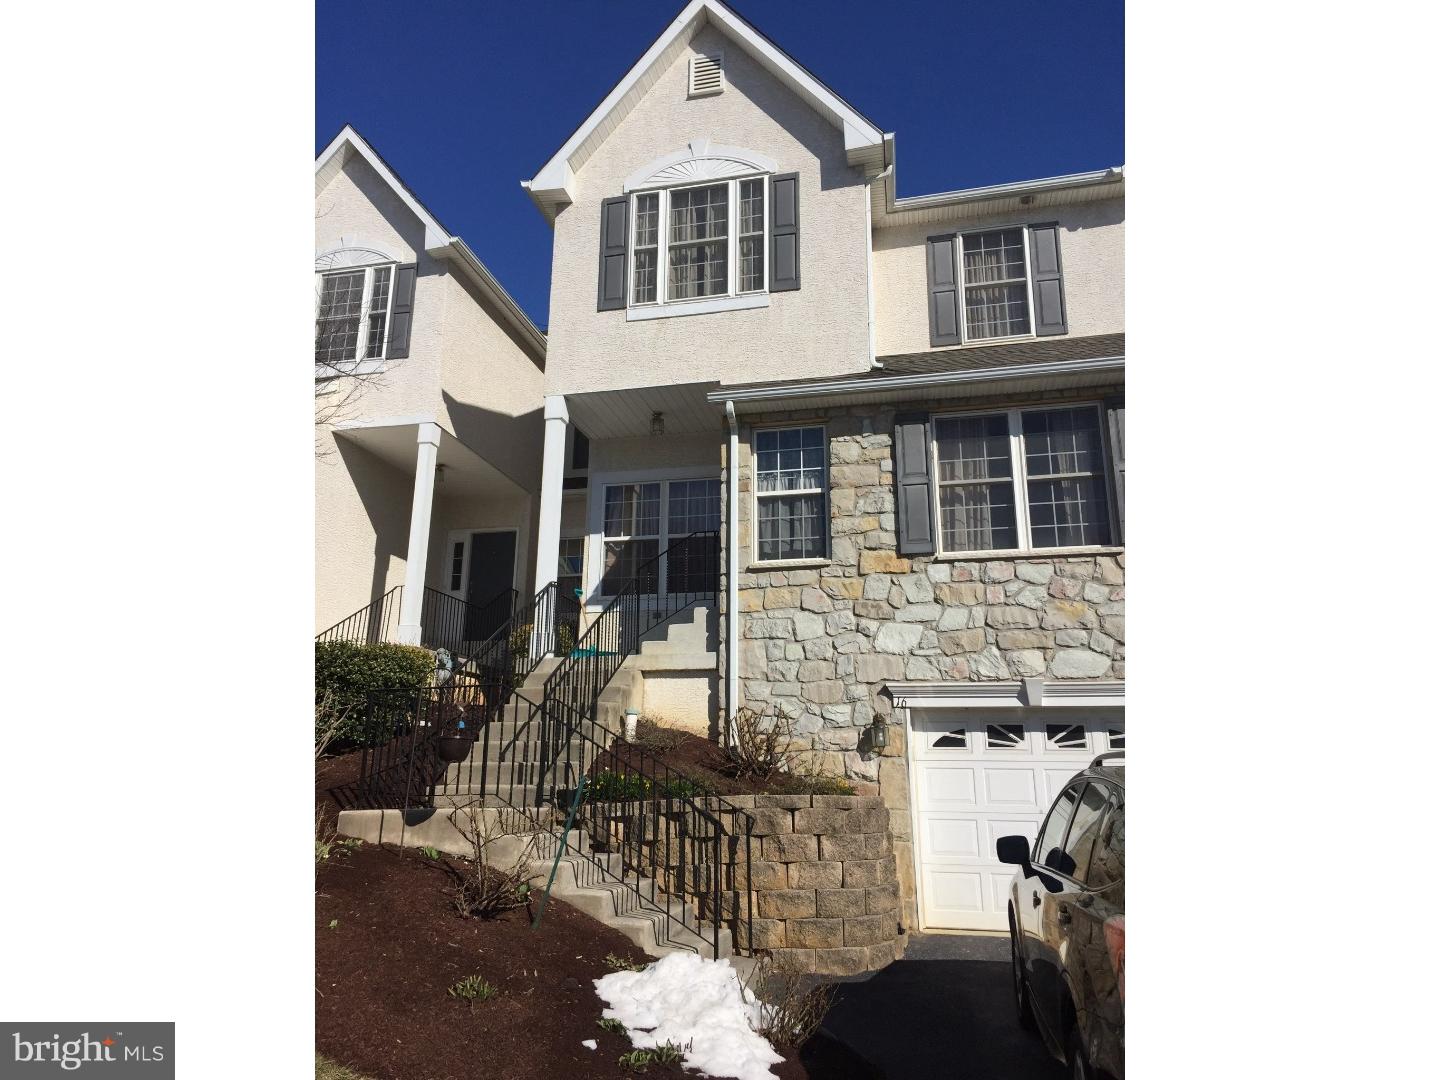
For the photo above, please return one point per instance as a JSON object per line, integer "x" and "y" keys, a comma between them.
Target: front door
{"x": 492, "y": 576}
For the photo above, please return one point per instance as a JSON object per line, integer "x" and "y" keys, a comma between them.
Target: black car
{"x": 1067, "y": 922}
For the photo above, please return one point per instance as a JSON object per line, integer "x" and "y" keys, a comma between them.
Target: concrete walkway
{"x": 943, "y": 1012}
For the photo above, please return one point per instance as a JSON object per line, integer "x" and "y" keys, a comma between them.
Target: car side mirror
{"x": 1014, "y": 850}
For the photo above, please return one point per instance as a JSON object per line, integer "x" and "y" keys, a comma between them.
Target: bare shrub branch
{"x": 761, "y": 743}
{"x": 794, "y": 1005}
{"x": 484, "y": 888}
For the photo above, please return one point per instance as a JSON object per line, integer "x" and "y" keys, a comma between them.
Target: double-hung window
{"x": 790, "y": 493}
{"x": 352, "y": 322}
{"x": 995, "y": 272}
{"x": 1021, "y": 480}
{"x": 632, "y": 536}
{"x": 698, "y": 243}
{"x": 642, "y": 519}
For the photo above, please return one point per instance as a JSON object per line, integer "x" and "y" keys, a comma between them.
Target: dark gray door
{"x": 492, "y": 576}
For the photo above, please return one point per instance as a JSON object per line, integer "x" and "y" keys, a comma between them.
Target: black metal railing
{"x": 690, "y": 571}
{"x": 398, "y": 766}
{"x": 682, "y": 849}
{"x": 376, "y": 621}
{"x": 547, "y": 623}
{"x": 460, "y": 627}
{"x": 401, "y": 759}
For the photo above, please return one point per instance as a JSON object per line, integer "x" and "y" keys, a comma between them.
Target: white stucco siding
{"x": 646, "y": 452}
{"x": 492, "y": 390}
{"x": 358, "y": 209}
{"x": 821, "y": 329}
{"x": 1092, "y": 253}
{"x": 362, "y": 526}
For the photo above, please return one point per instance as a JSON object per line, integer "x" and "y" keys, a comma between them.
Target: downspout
{"x": 870, "y": 263}
{"x": 732, "y": 573}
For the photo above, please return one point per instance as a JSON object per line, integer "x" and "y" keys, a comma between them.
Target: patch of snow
{"x": 589, "y": 1044}
{"x": 700, "y": 1006}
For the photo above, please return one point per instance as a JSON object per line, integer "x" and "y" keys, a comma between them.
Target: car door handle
{"x": 1034, "y": 899}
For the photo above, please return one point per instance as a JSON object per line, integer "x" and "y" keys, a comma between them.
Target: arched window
{"x": 355, "y": 297}
{"x": 698, "y": 223}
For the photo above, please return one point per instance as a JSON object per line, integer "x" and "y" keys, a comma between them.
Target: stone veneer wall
{"x": 818, "y": 640}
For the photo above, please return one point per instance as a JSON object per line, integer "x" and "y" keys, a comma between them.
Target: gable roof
{"x": 439, "y": 242}
{"x": 552, "y": 186}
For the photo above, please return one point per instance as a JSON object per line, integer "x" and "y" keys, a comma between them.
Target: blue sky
{"x": 466, "y": 99}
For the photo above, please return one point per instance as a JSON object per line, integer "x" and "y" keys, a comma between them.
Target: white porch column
{"x": 412, "y": 597}
{"x": 552, "y": 491}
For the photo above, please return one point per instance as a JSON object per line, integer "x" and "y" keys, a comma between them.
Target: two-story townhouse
{"x": 902, "y": 416}
{"x": 428, "y": 387}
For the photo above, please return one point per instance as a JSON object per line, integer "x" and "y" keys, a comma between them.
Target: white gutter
{"x": 732, "y": 571}
{"x": 873, "y": 384}
{"x": 998, "y": 191}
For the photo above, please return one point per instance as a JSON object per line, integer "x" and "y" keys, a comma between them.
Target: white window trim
{"x": 730, "y": 300}
{"x": 1018, "y": 478}
{"x": 958, "y": 242}
{"x": 594, "y": 562}
{"x": 359, "y": 364}
{"x": 824, "y": 492}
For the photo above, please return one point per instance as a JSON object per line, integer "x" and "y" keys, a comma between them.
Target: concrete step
{"x": 633, "y": 906}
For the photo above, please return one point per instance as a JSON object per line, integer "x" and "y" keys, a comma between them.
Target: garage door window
{"x": 1005, "y": 736}
{"x": 1066, "y": 737}
{"x": 1052, "y": 837}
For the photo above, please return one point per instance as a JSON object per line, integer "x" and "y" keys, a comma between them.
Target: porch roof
{"x": 624, "y": 413}
{"x": 394, "y": 441}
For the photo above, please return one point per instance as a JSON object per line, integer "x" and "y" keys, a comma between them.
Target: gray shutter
{"x": 614, "y": 252}
{"x": 785, "y": 232}
{"x": 914, "y": 519}
{"x": 401, "y": 311}
{"x": 943, "y": 279}
{"x": 1115, "y": 428}
{"x": 1049, "y": 283}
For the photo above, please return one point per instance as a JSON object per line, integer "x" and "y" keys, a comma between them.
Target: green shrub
{"x": 347, "y": 671}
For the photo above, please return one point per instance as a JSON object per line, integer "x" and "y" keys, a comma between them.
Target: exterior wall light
{"x": 879, "y": 738}
{"x": 657, "y": 423}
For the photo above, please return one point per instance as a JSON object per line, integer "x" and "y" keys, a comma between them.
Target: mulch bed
{"x": 701, "y": 761}
{"x": 382, "y": 973}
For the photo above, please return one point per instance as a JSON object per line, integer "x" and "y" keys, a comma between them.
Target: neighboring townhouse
{"x": 904, "y": 417}
{"x": 429, "y": 380}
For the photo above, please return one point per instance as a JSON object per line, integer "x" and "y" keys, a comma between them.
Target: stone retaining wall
{"x": 823, "y": 895}
{"x": 823, "y": 876}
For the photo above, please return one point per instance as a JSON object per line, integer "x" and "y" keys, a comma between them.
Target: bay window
{"x": 698, "y": 242}
{"x": 352, "y": 321}
{"x": 790, "y": 515}
{"x": 1021, "y": 480}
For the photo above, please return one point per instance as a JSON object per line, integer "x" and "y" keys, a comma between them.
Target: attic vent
{"x": 707, "y": 74}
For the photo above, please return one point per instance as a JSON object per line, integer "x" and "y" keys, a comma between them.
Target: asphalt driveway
{"x": 943, "y": 1012}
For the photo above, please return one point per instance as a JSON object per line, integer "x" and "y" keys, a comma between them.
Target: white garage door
{"x": 984, "y": 773}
